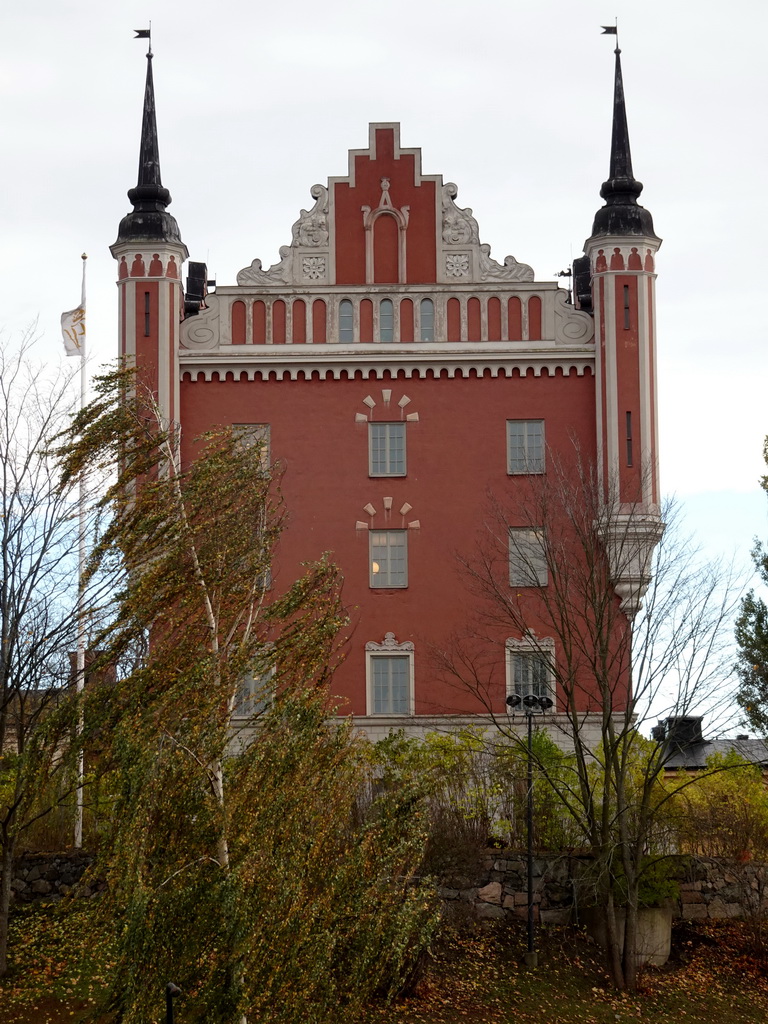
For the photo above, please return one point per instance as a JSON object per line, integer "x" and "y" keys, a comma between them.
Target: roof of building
{"x": 149, "y": 219}
{"x": 621, "y": 215}
{"x": 695, "y": 755}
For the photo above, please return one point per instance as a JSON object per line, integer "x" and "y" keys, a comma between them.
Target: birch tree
{"x": 239, "y": 864}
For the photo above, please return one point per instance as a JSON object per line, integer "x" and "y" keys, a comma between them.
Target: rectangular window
{"x": 388, "y": 558}
{"x": 386, "y": 449}
{"x": 525, "y": 446}
{"x": 254, "y": 695}
{"x": 390, "y": 684}
{"x": 251, "y": 434}
{"x": 529, "y": 673}
{"x": 527, "y": 558}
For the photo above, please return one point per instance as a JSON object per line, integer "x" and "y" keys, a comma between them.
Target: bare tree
{"x": 38, "y": 593}
{"x": 602, "y": 606}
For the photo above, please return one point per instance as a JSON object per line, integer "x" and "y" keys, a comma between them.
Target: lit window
{"x": 386, "y": 449}
{"x": 386, "y": 320}
{"x": 527, "y": 558}
{"x": 346, "y": 321}
{"x": 427, "y": 320}
{"x": 525, "y": 446}
{"x": 388, "y": 558}
{"x": 252, "y": 434}
{"x": 254, "y": 694}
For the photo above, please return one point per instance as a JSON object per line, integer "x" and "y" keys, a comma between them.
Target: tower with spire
{"x": 150, "y": 254}
{"x": 616, "y": 280}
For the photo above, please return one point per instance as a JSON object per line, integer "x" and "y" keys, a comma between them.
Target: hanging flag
{"x": 73, "y": 324}
{"x": 142, "y": 33}
{"x": 609, "y": 30}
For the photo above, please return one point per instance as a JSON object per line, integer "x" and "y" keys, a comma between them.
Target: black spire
{"x": 149, "y": 219}
{"x": 621, "y": 215}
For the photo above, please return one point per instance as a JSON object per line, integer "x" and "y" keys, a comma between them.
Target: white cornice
{"x": 335, "y": 361}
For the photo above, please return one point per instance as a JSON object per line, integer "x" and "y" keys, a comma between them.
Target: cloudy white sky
{"x": 509, "y": 99}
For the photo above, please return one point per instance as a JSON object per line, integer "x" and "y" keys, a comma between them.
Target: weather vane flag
{"x": 144, "y": 33}
{"x": 73, "y": 324}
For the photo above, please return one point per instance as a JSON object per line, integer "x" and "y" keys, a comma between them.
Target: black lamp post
{"x": 171, "y": 991}
{"x": 531, "y": 705}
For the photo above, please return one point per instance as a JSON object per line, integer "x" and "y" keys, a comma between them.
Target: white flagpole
{"x": 80, "y": 666}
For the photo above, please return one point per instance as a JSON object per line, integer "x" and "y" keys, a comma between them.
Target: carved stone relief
{"x": 301, "y": 261}
{"x": 459, "y": 228}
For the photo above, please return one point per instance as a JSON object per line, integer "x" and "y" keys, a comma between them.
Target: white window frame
{"x": 250, "y": 434}
{"x": 426, "y": 323}
{"x": 534, "y": 648}
{"x": 527, "y": 557}
{"x": 389, "y": 648}
{"x": 257, "y": 689}
{"x": 533, "y": 446}
{"x": 348, "y": 319}
{"x": 373, "y": 582}
{"x": 387, "y": 317}
{"x": 373, "y": 425}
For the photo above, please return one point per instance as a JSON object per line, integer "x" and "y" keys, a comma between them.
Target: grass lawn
{"x": 58, "y": 972}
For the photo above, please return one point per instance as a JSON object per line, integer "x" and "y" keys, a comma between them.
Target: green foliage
{"x": 477, "y": 790}
{"x": 752, "y": 640}
{"x": 725, "y": 812}
{"x": 242, "y": 866}
{"x": 752, "y": 665}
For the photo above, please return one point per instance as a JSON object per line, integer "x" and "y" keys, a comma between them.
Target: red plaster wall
{"x": 456, "y": 453}
{"x": 366, "y": 191}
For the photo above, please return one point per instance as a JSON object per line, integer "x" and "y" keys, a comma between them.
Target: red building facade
{"x": 400, "y": 376}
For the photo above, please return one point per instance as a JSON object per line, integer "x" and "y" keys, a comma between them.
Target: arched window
{"x": 427, "y": 319}
{"x": 346, "y": 321}
{"x": 386, "y": 320}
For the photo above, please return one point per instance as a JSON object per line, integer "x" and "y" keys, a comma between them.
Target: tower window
{"x": 388, "y": 550}
{"x": 386, "y": 320}
{"x": 525, "y": 446}
{"x": 626, "y": 308}
{"x": 146, "y": 314}
{"x": 386, "y": 449}
{"x": 346, "y": 321}
{"x": 629, "y": 438}
{"x": 427, "y": 320}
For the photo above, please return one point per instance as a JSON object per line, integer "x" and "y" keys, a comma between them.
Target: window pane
{"x": 525, "y": 446}
{"x": 388, "y": 558}
{"x": 386, "y": 449}
{"x": 530, "y": 674}
{"x": 427, "y": 311}
{"x": 527, "y": 558}
{"x": 254, "y": 695}
{"x": 386, "y": 320}
{"x": 250, "y": 434}
{"x": 390, "y": 681}
{"x": 346, "y": 321}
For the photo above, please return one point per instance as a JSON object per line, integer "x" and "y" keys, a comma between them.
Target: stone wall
{"x": 709, "y": 889}
{"x": 49, "y": 876}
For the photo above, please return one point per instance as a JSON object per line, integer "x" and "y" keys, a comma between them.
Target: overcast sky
{"x": 509, "y": 99}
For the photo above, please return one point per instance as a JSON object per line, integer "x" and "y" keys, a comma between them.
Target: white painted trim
{"x": 376, "y": 360}
{"x": 530, "y": 644}
{"x": 388, "y": 647}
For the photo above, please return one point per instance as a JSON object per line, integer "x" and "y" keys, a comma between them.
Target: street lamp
{"x": 532, "y": 705}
